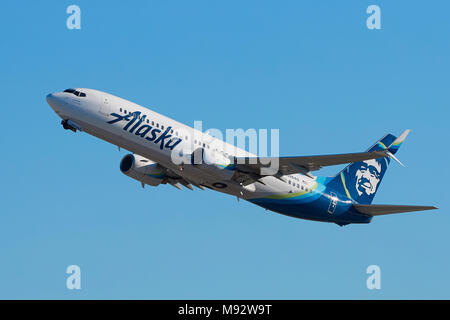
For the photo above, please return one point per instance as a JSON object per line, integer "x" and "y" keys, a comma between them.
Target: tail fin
{"x": 360, "y": 181}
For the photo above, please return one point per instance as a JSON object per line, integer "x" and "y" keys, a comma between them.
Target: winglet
{"x": 393, "y": 157}
{"x": 397, "y": 142}
{"x": 393, "y": 148}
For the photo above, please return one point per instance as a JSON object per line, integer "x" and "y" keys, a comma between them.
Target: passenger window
{"x": 162, "y": 127}
{"x": 157, "y": 125}
{"x": 120, "y": 109}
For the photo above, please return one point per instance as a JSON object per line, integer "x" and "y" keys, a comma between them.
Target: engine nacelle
{"x": 213, "y": 162}
{"x": 142, "y": 169}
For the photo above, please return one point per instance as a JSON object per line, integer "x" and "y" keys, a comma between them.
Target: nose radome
{"x": 50, "y": 98}
{"x": 54, "y": 100}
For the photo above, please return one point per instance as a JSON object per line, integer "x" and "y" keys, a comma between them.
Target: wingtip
{"x": 398, "y": 141}
{"x": 389, "y": 154}
{"x": 403, "y": 136}
{"x": 405, "y": 133}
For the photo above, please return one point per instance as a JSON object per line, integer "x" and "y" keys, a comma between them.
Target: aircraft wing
{"x": 380, "y": 209}
{"x": 302, "y": 164}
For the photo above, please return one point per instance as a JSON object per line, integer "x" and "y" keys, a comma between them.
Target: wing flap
{"x": 381, "y": 209}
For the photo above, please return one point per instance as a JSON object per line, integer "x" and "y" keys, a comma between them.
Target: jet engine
{"x": 142, "y": 169}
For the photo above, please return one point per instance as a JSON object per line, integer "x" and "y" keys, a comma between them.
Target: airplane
{"x": 164, "y": 151}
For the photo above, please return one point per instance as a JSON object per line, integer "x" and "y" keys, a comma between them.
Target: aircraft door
{"x": 105, "y": 107}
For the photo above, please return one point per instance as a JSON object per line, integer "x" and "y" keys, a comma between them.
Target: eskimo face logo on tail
{"x": 362, "y": 179}
{"x": 367, "y": 177}
{"x": 135, "y": 123}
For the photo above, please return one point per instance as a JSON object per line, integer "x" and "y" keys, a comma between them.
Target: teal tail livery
{"x": 167, "y": 152}
{"x": 360, "y": 181}
{"x": 347, "y": 197}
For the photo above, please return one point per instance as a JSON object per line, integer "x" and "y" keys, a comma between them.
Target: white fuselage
{"x": 93, "y": 112}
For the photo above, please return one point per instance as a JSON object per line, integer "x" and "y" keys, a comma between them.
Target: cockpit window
{"x": 75, "y": 92}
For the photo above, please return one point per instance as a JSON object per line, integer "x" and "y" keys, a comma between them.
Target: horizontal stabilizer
{"x": 380, "y": 209}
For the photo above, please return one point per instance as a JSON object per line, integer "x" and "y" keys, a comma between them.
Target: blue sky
{"x": 310, "y": 68}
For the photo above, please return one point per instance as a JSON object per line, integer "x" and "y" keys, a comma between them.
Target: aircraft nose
{"x": 55, "y": 101}
{"x": 50, "y": 98}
